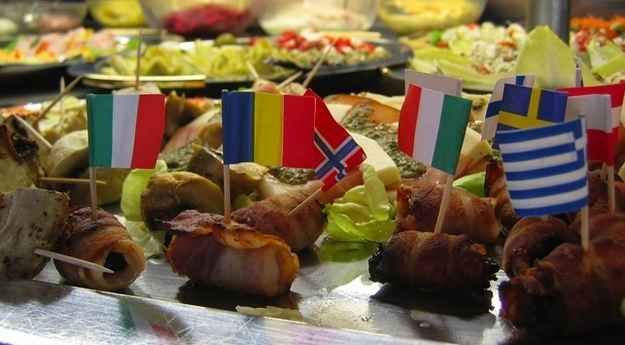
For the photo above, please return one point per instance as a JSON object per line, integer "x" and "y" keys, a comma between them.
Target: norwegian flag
{"x": 337, "y": 152}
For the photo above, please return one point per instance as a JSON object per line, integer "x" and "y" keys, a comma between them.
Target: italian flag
{"x": 126, "y": 130}
{"x": 432, "y": 127}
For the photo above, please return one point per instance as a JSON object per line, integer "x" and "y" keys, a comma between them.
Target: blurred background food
{"x": 117, "y": 13}
{"x": 277, "y": 16}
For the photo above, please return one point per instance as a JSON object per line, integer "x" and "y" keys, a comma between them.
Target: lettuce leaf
{"x": 151, "y": 242}
{"x": 548, "y": 58}
{"x": 134, "y": 184}
{"x": 364, "y": 213}
{"x": 473, "y": 183}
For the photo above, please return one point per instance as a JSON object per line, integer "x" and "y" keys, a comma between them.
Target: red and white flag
{"x": 337, "y": 152}
{"x": 602, "y": 124}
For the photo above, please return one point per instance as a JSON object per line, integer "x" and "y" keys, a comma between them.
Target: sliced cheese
{"x": 473, "y": 147}
{"x": 621, "y": 172}
{"x": 338, "y": 110}
{"x": 376, "y": 157}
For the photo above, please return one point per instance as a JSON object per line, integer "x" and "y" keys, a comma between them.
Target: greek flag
{"x": 496, "y": 99}
{"x": 546, "y": 168}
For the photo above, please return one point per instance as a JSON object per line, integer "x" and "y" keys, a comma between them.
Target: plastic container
{"x": 410, "y": 16}
{"x": 277, "y": 16}
{"x": 199, "y": 18}
{"x": 117, "y": 13}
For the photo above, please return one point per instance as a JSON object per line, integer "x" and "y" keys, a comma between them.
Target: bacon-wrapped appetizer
{"x": 418, "y": 203}
{"x": 598, "y": 194}
{"x": 104, "y": 242}
{"x": 271, "y": 216}
{"x": 532, "y": 239}
{"x": 430, "y": 261}
{"x": 30, "y": 219}
{"x": 572, "y": 291}
{"x": 495, "y": 187}
{"x": 232, "y": 256}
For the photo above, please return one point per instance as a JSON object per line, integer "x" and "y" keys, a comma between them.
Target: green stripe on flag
{"x": 100, "y": 113}
{"x": 450, "y": 136}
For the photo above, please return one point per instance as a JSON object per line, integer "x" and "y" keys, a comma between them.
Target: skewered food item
{"x": 271, "y": 216}
{"x": 18, "y": 157}
{"x": 29, "y": 219}
{"x": 418, "y": 202}
{"x": 232, "y": 256}
{"x": 571, "y": 291}
{"x": 598, "y": 194}
{"x": 430, "y": 261}
{"x": 204, "y": 130}
{"x": 181, "y": 110}
{"x": 532, "y": 239}
{"x": 495, "y": 186}
{"x": 168, "y": 194}
{"x": 105, "y": 242}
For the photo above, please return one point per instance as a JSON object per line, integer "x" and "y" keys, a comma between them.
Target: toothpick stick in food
{"x": 315, "y": 69}
{"x": 252, "y": 70}
{"x": 67, "y": 90}
{"x": 93, "y": 193}
{"x": 73, "y": 261}
{"x": 288, "y": 80}
{"x": 440, "y": 219}
{"x": 311, "y": 198}
{"x": 62, "y": 101}
{"x": 69, "y": 180}
{"x": 611, "y": 190}
{"x": 138, "y": 66}
{"x": 585, "y": 228}
{"x": 33, "y": 131}
{"x": 227, "y": 203}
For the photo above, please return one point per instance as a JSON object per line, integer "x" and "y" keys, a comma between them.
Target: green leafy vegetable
{"x": 364, "y": 213}
{"x": 152, "y": 242}
{"x": 134, "y": 184}
{"x": 472, "y": 183}
{"x": 547, "y": 57}
{"x": 340, "y": 251}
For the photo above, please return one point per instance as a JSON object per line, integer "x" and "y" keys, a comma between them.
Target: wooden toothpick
{"x": 611, "y": 190}
{"x": 315, "y": 69}
{"x": 93, "y": 194}
{"x": 308, "y": 200}
{"x": 138, "y": 66}
{"x": 73, "y": 261}
{"x": 67, "y": 90}
{"x": 288, "y": 80}
{"x": 69, "y": 180}
{"x": 227, "y": 204}
{"x": 33, "y": 131}
{"x": 252, "y": 70}
{"x": 440, "y": 219}
{"x": 585, "y": 228}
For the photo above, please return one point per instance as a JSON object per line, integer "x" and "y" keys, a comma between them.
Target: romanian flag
{"x": 125, "y": 131}
{"x": 269, "y": 129}
{"x": 525, "y": 107}
{"x": 432, "y": 126}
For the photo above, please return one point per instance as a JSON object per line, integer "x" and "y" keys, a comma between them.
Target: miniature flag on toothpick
{"x": 337, "y": 153}
{"x": 546, "y": 170}
{"x": 601, "y": 140}
{"x": 125, "y": 131}
{"x": 432, "y": 126}
{"x": 269, "y": 129}
{"x": 496, "y": 100}
{"x": 525, "y": 107}
{"x": 446, "y": 85}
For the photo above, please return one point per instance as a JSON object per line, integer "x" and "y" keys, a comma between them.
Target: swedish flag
{"x": 525, "y": 107}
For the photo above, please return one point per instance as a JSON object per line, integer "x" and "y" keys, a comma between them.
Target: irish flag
{"x": 125, "y": 131}
{"x": 432, "y": 127}
{"x": 269, "y": 129}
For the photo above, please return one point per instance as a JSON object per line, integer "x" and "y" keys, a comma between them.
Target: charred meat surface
{"x": 429, "y": 261}
{"x": 30, "y": 219}
{"x": 233, "y": 256}
{"x": 104, "y": 241}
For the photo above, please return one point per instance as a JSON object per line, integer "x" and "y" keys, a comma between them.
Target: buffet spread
{"x": 475, "y": 208}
